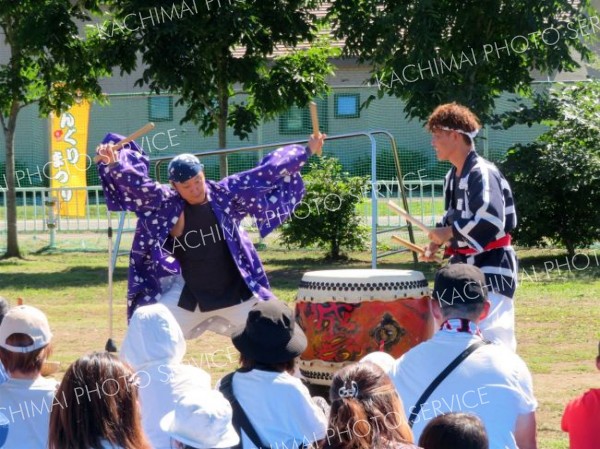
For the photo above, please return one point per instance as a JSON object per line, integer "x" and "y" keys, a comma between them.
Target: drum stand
{"x": 110, "y": 344}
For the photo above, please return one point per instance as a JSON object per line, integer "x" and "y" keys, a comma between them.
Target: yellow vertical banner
{"x": 69, "y": 160}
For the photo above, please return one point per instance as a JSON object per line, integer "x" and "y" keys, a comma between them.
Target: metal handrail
{"x": 91, "y": 220}
{"x": 369, "y": 135}
{"x": 225, "y": 151}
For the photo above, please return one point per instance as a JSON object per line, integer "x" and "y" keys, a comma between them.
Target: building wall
{"x": 128, "y": 110}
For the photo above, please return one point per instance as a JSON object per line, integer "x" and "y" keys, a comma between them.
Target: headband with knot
{"x": 471, "y": 134}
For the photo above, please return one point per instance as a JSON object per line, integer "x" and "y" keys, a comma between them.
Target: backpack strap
{"x": 240, "y": 419}
{"x": 440, "y": 378}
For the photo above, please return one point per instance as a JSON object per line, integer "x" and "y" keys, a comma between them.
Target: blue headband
{"x": 184, "y": 167}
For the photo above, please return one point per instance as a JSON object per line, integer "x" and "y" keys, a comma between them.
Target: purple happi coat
{"x": 268, "y": 192}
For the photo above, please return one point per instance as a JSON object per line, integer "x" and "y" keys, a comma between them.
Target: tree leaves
{"x": 226, "y": 46}
{"x": 50, "y": 62}
{"x": 429, "y": 53}
{"x": 556, "y": 179}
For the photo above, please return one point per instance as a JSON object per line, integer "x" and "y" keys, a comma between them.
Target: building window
{"x": 346, "y": 105}
{"x": 160, "y": 109}
{"x": 297, "y": 120}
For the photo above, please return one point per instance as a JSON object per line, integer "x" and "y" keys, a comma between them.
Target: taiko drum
{"x": 346, "y": 314}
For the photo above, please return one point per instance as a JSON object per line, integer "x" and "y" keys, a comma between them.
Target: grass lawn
{"x": 557, "y": 314}
{"x": 416, "y": 206}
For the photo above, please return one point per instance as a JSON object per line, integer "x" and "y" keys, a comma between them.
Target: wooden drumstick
{"x": 314, "y": 118}
{"x": 120, "y": 144}
{"x": 408, "y": 217}
{"x": 413, "y": 247}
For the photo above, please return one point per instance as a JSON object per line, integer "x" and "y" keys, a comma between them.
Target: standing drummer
{"x": 480, "y": 214}
{"x": 190, "y": 251}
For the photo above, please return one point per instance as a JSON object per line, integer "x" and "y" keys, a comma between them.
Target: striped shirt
{"x": 480, "y": 208}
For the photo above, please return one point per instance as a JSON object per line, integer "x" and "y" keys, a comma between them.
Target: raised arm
{"x": 125, "y": 180}
{"x": 275, "y": 178}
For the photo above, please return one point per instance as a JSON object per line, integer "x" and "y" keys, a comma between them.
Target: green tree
{"x": 556, "y": 179}
{"x": 433, "y": 52}
{"x": 203, "y": 51}
{"x": 49, "y": 64}
{"x": 327, "y": 216}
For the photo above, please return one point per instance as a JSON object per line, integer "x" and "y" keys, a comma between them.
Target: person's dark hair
{"x": 454, "y": 431}
{"x": 249, "y": 364}
{"x": 366, "y": 411}
{"x": 4, "y": 306}
{"x": 453, "y": 116}
{"x": 461, "y": 310}
{"x": 26, "y": 362}
{"x": 97, "y": 400}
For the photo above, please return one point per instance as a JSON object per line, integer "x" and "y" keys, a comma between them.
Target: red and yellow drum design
{"x": 347, "y": 314}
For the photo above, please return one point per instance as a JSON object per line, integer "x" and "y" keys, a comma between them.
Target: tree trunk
{"x": 223, "y": 111}
{"x": 12, "y": 245}
{"x": 570, "y": 249}
{"x": 335, "y": 250}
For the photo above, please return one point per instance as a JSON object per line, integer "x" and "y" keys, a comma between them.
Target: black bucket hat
{"x": 271, "y": 334}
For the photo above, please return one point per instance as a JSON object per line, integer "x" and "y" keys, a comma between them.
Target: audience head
{"x": 24, "y": 341}
{"x": 201, "y": 420}
{"x": 460, "y": 291}
{"x": 97, "y": 402}
{"x": 153, "y": 336}
{"x": 366, "y": 411}
{"x": 382, "y": 359}
{"x": 270, "y": 339}
{"x": 454, "y": 431}
{"x": 598, "y": 357}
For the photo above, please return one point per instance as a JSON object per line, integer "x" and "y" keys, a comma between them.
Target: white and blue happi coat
{"x": 480, "y": 208}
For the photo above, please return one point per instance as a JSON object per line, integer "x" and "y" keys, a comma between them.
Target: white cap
{"x": 201, "y": 419}
{"x": 381, "y": 359}
{"x": 25, "y": 320}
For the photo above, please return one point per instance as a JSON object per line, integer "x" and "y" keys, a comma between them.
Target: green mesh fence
{"x": 339, "y": 113}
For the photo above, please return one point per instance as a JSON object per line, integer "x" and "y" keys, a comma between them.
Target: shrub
{"x": 327, "y": 216}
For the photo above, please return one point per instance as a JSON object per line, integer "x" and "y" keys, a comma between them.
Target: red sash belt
{"x": 500, "y": 243}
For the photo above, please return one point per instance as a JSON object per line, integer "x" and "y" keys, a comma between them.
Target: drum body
{"x": 347, "y": 314}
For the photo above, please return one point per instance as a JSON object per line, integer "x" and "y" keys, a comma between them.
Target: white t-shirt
{"x": 492, "y": 383}
{"x": 27, "y": 405}
{"x": 279, "y": 408}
